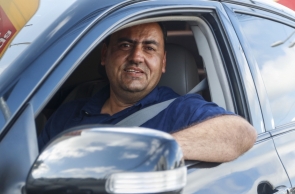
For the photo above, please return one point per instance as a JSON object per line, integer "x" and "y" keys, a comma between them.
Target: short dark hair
{"x": 164, "y": 31}
{"x": 161, "y": 24}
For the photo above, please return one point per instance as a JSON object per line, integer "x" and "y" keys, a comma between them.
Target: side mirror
{"x": 94, "y": 159}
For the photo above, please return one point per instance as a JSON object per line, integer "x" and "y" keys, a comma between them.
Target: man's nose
{"x": 136, "y": 54}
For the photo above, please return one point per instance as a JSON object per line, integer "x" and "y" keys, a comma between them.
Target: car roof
{"x": 43, "y": 18}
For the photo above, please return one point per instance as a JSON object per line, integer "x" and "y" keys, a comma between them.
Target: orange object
{"x": 287, "y": 3}
{"x": 14, "y": 14}
{"x": 7, "y": 30}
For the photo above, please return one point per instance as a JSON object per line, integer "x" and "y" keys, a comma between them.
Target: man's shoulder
{"x": 196, "y": 103}
{"x": 191, "y": 101}
{"x": 166, "y": 93}
{"x": 192, "y": 97}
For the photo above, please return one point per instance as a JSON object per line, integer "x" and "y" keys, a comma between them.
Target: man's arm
{"x": 219, "y": 139}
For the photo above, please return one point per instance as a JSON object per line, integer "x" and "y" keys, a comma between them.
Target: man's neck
{"x": 112, "y": 106}
{"x": 118, "y": 102}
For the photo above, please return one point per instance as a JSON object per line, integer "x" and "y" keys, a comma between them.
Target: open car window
{"x": 190, "y": 34}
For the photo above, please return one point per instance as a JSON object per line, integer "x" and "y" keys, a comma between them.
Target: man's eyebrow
{"x": 134, "y": 41}
{"x": 126, "y": 40}
{"x": 150, "y": 42}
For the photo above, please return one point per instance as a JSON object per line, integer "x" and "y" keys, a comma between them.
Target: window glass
{"x": 273, "y": 46}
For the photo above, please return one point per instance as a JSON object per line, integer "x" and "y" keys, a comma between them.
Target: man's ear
{"x": 104, "y": 54}
{"x": 164, "y": 63}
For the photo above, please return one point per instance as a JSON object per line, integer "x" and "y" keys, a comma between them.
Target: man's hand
{"x": 219, "y": 139}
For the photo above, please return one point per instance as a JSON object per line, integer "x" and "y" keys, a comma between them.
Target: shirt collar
{"x": 149, "y": 99}
{"x": 94, "y": 105}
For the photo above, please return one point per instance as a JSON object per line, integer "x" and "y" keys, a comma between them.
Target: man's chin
{"x": 134, "y": 88}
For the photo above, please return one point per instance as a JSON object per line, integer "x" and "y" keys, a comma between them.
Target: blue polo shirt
{"x": 182, "y": 112}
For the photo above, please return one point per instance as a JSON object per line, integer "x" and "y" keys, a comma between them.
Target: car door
{"x": 243, "y": 175}
{"x": 272, "y": 56}
{"x": 247, "y": 173}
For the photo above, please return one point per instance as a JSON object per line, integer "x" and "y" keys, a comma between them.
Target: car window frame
{"x": 60, "y": 74}
{"x": 215, "y": 52}
{"x": 232, "y": 9}
{"x": 240, "y": 72}
{"x": 38, "y": 99}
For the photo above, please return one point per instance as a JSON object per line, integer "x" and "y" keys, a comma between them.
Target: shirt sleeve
{"x": 191, "y": 109}
{"x": 207, "y": 110}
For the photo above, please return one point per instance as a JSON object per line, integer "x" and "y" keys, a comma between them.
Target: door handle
{"x": 292, "y": 190}
{"x": 283, "y": 190}
{"x": 266, "y": 188}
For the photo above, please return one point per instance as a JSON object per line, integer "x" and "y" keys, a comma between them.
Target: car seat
{"x": 181, "y": 70}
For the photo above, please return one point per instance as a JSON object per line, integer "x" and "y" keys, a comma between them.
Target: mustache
{"x": 136, "y": 66}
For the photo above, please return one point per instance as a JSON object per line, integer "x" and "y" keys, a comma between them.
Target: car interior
{"x": 191, "y": 56}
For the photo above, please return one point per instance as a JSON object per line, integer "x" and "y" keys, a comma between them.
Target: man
{"x": 134, "y": 59}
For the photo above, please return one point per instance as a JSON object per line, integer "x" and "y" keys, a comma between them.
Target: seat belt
{"x": 143, "y": 115}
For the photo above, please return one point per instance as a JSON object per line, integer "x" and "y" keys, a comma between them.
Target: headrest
{"x": 181, "y": 70}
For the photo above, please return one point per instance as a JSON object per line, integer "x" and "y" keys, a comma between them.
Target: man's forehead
{"x": 142, "y": 31}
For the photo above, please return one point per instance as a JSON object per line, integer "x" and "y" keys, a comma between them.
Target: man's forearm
{"x": 219, "y": 139}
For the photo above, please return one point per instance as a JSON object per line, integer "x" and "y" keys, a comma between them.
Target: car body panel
{"x": 285, "y": 144}
{"x": 28, "y": 82}
{"x": 243, "y": 175}
{"x": 17, "y": 153}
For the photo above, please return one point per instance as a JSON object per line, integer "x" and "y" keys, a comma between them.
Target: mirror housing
{"x": 95, "y": 159}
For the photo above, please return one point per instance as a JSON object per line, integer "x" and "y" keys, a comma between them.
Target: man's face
{"x": 135, "y": 58}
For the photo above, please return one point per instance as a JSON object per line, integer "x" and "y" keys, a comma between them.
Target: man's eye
{"x": 150, "y": 48}
{"x": 125, "y": 45}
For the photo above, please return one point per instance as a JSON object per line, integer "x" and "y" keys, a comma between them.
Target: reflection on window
{"x": 272, "y": 45}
